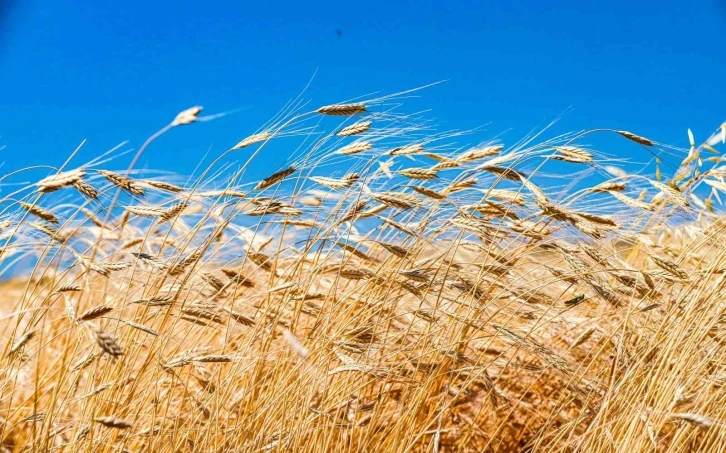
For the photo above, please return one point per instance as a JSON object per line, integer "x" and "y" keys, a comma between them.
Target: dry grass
{"x": 389, "y": 292}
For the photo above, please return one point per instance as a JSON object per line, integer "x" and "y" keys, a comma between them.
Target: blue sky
{"x": 108, "y": 72}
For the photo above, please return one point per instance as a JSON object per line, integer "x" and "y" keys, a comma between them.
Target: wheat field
{"x": 384, "y": 289}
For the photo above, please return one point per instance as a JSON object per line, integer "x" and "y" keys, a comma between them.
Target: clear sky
{"x": 112, "y": 71}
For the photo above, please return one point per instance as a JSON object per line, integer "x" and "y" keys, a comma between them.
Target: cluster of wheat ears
{"x": 422, "y": 296}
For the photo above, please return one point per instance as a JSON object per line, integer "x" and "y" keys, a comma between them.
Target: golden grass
{"x": 456, "y": 304}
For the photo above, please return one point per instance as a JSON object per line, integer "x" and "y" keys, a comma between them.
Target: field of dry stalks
{"x": 384, "y": 290}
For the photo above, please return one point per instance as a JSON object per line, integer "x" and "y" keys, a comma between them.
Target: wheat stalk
{"x": 253, "y": 140}
{"x": 111, "y": 421}
{"x": 354, "y": 129}
{"x": 187, "y": 116}
{"x": 122, "y": 182}
{"x": 354, "y": 148}
{"x": 60, "y": 180}
{"x": 275, "y": 178}
{"x": 342, "y": 109}
{"x": 636, "y": 138}
{"x": 419, "y": 173}
{"x": 39, "y": 212}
